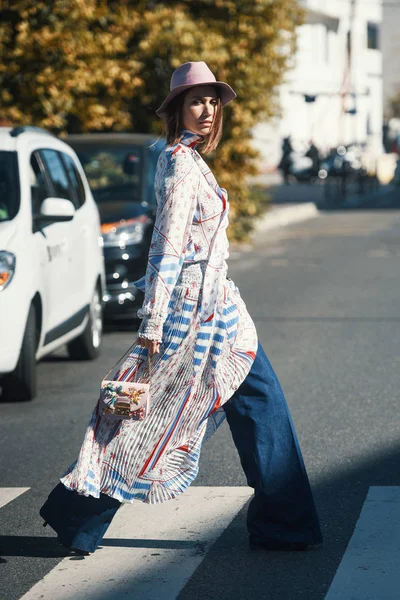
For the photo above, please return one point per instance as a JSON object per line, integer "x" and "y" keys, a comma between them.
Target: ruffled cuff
{"x": 151, "y": 328}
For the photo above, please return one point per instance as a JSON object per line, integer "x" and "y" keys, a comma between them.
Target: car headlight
{"x": 123, "y": 232}
{"x": 7, "y": 268}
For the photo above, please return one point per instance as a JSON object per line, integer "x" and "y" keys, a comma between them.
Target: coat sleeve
{"x": 176, "y": 192}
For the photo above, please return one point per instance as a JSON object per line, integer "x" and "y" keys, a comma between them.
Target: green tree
{"x": 90, "y": 65}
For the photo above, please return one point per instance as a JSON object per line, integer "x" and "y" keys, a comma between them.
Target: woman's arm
{"x": 176, "y": 193}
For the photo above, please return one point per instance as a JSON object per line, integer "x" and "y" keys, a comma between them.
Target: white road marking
{"x": 370, "y": 566}
{"x": 9, "y": 494}
{"x": 149, "y": 552}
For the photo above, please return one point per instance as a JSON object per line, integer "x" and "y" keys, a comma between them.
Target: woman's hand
{"x": 152, "y": 347}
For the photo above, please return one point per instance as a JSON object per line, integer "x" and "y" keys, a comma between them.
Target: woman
{"x": 206, "y": 360}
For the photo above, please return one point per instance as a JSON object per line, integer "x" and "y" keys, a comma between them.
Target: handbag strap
{"x": 122, "y": 358}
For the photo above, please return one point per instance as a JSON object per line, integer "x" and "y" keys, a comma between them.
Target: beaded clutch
{"x": 124, "y": 399}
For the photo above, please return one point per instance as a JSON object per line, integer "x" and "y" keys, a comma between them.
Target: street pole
{"x": 347, "y": 71}
{"x": 352, "y": 79}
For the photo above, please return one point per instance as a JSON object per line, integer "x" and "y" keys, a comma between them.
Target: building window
{"x": 373, "y": 36}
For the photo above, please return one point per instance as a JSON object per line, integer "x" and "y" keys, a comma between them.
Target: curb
{"x": 286, "y": 215}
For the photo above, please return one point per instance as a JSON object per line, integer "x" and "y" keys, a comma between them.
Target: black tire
{"x": 87, "y": 345}
{"x": 21, "y": 384}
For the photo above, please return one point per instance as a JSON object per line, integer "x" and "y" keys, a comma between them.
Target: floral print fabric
{"x": 208, "y": 344}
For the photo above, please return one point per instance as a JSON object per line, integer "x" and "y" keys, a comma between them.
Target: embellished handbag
{"x": 125, "y": 399}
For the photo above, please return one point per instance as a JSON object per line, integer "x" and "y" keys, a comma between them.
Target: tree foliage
{"x": 105, "y": 65}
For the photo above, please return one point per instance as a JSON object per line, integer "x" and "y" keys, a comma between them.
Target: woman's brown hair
{"x": 174, "y": 125}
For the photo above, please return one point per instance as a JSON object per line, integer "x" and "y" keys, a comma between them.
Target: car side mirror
{"x": 57, "y": 207}
{"x": 131, "y": 164}
{"x": 54, "y": 210}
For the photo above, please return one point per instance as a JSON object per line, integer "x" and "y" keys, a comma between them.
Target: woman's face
{"x": 199, "y": 109}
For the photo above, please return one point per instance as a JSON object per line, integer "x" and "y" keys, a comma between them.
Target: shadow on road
{"x": 276, "y": 575}
{"x": 382, "y": 198}
{"x": 33, "y": 546}
{"x": 48, "y": 547}
{"x": 384, "y": 201}
{"x": 296, "y": 193}
{"x": 291, "y": 575}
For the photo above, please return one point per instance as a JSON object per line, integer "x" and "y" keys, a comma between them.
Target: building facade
{"x": 391, "y": 52}
{"x": 333, "y": 92}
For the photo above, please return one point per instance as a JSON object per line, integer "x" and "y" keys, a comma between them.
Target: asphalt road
{"x": 325, "y": 298}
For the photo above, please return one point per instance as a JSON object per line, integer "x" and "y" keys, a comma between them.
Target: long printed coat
{"x": 208, "y": 343}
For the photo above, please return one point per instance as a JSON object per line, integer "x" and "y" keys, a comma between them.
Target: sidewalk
{"x": 294, "y": 203}
{"x": 288, "y": 204}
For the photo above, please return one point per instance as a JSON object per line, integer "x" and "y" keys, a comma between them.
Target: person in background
{"x": 314, "y": 155}
{"x": 286, "y": 159}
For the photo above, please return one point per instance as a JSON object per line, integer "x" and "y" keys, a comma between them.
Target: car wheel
{"x": 20, "y": 385}
{"x": 87, "y": 345}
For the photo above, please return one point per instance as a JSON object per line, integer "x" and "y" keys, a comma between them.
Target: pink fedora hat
{"x": 192, "y": 74}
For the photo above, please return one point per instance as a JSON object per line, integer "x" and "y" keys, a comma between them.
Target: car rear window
{"x": 114, "y": 173}
{"x": 9, "y": 185}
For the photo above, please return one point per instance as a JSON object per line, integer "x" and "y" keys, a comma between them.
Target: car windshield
{"x": 114, "y": 172}
{"x": 9, "y": 186}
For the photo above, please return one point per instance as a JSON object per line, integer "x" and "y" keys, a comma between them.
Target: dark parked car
{"x": 120, "y": 169}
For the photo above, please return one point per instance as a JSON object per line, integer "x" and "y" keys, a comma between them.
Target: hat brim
{"x": 226, "y": 93}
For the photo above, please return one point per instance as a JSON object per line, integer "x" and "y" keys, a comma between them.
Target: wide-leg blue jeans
{"x": 282, "y": 508}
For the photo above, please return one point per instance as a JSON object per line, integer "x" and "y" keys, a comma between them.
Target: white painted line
{"x": 9, "y": 494}
{"x": 149, "y": 551}
{"x": 370, "y": 567}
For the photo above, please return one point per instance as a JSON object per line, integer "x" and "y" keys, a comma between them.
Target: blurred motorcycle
{"x": 302, "y": 168}
{"x": 342, "y": 174}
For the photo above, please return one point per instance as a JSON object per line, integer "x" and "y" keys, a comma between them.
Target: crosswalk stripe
{"x": 149, "y": 551}
{"x": 370, "y": 566}
{"x": 8, "y": 494}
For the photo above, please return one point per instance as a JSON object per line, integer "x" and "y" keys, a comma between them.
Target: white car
{"x": 51, "y": 257}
